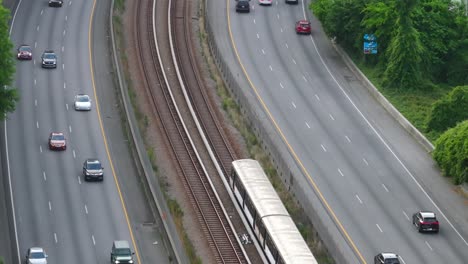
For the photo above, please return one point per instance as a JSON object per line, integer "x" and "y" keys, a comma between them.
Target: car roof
{"x": 389, "y": 255}
{"x": 93, "y": 161}
{"x": 121, "y": 244}
{"x": 36, "y": 249}
{"x": 427, "y": 214}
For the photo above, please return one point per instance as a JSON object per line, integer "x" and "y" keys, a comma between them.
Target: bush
{"x": 451, "y": 153}
{"x": 449, "y": 110}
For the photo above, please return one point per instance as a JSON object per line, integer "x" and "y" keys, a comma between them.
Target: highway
{"x": 360, "y": 160}
{"x": 73, "y": 220}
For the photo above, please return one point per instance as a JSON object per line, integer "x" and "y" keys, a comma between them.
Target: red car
{"x": 303, "y": 27}
{"x": 24, "y": 52}
{"x": 426, "y": 221}
{"x": 57, "y": 141}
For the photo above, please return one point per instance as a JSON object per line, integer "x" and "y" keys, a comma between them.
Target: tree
{"x": 449, "y": 110}
{"x": 451, "y": 153}
{"x": 405, "y": 51}
{"x": 8, "y": 96}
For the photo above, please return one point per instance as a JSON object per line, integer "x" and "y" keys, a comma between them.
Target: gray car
{"x": 49, "y": 59}
{"x": 93, "y": 170}
{"x": 36, "y": 255}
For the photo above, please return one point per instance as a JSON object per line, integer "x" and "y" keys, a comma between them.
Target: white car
{"x": 265, "y": 2}
{"x": 82, "y": 102}
{"x": 36, "y": 255}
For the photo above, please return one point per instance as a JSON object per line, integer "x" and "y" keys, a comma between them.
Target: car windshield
{"x": 94, "y": 166}
{"x": 25, "y": 48}
{"x": 37, "y": 255}
{"x": 58, "y": 137}
{"x": 49, "y": 56}
{"x": 392, "y": 261}
{"x": 123, "y": 252}
{"x": 82, "y": 98}
{"x": 430, "y": 220}
{"x": 304, "y": 24}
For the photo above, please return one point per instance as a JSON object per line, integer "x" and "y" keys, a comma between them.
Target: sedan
{"x": 82, "y": 102}
{"x": 265, "y": 2}
{"x": 57, "y": 141}
{"x": 303, "y": 27}
{"x": 426, "y": 221}
{"x": 24, "y": 52}
{"x": 36, "y": 255}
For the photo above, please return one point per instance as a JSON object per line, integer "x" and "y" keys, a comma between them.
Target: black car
{"x": 55, "y": 3}
{"x": 426, "y": 221}
{"x": 386, "y": 258}
{"x": 93, "y": 170}
{"x": 243, "y": 6}
{"x": 49, "y": 59}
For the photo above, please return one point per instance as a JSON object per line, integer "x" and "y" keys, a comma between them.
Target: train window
{"x": 271, "y": 247}
{"x": 261, "y": 227}
{"x": 250, "y": 207}
{"x": 240, "y": 188}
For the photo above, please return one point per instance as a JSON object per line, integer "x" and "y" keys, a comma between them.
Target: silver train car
{"x": 271, "y": 223}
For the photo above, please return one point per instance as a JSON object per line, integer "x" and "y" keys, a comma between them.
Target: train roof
{"x": 288, "y": 240}
{"x": 258, "y": 186}
{"x": 275, "y": 217}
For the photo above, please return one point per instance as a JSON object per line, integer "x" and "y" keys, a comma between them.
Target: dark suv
{"x": 55, "y": 3}
{"x": 93, "y": 170}
{"x": 243, "y": 6}
{"x": 49, "y": 59}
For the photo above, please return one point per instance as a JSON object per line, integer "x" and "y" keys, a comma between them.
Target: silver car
{"x": 82, "y": 102}
{"x": 93, "y": 170}
{"x": 36, "y": 255}
{"x": 49, "y": 59}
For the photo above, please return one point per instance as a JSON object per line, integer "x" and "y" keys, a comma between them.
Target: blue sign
{"x": 370, "y": 44}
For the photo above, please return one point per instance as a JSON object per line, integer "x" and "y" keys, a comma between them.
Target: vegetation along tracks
{"x": 213, "y": 221}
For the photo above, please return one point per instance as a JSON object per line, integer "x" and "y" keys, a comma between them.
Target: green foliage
{"x": 420, "y": 41}
{"x": 8, "y": 97}
{"x": 405, "y": 50}
{"x": 451, "y": 153}
{"x": 449, "y": 110}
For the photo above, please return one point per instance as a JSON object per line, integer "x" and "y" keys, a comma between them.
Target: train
{"x": 269, "y": 220}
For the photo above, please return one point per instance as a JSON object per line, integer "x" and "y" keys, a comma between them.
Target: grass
{"x": 256, "y": 152}
{"x": 414, "y": 104}
{"x": 143, "y": 123}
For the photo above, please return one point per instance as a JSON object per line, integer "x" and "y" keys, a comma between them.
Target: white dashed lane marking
{"x": 381, "y": 231}
{"x": 294, "y": 105}
{"x": 331, "y": 117}
{"x": 40, "y": 149}
{"x": 281, "y": 85}
{"x": 323, "y": 147}
{"x": 429, "y": 246}
{"x": 365, "y": 161}
{"x": 37, "y": 124}
{"x": 44, "y": 175}
{"x": 318, "y": 98}
{"x": 86, "y": 208}
{"x": 74, "y": 155}
{"x": 347, "y": 138}
{"x": 94, "y": 241}
{"x": 359, "y": 199}
{"x": 55, "y": 237}
{"x": 385, "y": 187}
{"x": 50, "y": 206}
{"x": 340, "y": 172}
{"x": 307, "y": 124}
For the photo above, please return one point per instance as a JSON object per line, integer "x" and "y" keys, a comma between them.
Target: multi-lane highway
{"x": 73, "y": 220}
{"x": 339, "y": 136}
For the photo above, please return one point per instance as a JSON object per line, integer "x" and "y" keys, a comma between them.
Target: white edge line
{"x": 8, "y": 158}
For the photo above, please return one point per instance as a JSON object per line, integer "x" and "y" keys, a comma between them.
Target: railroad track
{"x": 213, "y": 221}
{"x": 182, "y": 33}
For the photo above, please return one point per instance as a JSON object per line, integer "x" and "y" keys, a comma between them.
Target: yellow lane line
{"x": 304, "y": 170}
{"x": 104, "y": 134}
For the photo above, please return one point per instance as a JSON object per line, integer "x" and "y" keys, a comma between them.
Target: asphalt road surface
{"x": 365, "y": 165}
{"x": 73, "y": 220}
